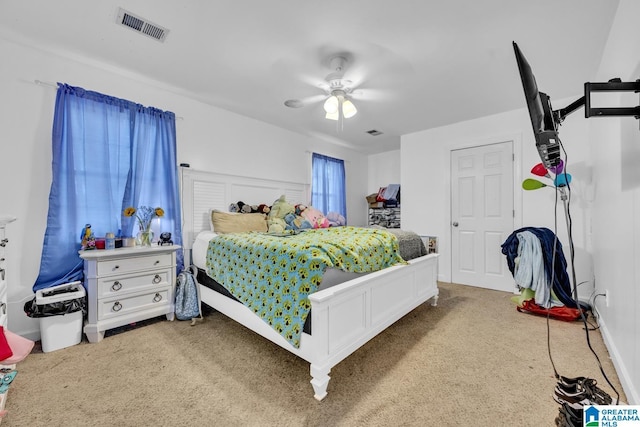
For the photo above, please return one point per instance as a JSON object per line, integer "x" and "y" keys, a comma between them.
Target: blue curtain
{"x": 328, "y": 188}
{"x": 108, "y": 154}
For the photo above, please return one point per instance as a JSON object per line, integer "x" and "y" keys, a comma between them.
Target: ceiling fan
{"x": 338, "y": 103}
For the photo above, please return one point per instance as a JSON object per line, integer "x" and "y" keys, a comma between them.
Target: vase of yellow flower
{"x": 144, "y": 238}
{"x": 144, "y": 215}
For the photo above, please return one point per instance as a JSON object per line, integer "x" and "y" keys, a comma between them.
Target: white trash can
{"x": 61, "y": 330}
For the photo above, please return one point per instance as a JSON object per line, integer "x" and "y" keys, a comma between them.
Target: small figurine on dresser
{"x": 165, "y": 239}
{"x": 87, "y": 237}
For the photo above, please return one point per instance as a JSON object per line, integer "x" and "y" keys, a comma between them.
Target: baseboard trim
{"x": 633, "y": 394}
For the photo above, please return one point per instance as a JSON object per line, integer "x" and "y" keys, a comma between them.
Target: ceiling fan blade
{"x": 314, "y": 81}
{"x": 367, "y": 94}
{"x": 303, "y": 102}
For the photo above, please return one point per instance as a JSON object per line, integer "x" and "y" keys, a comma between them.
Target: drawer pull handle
{"x": 157, "y": 298}
{"x": 157, "y": 279}
{"x": 116, "y": 286}
{"x": 116, "y": 306}
{"x": 157, "y": 262}
{"x": 115, "y": 267}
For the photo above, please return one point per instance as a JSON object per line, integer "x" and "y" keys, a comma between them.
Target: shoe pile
{"x": 569, "y": 417}
{"x": 573, "y": 394}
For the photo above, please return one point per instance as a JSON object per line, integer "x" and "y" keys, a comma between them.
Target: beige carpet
{"x": 472, "y": 360}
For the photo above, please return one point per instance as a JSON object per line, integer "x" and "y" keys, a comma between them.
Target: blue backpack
{"x": 188, "y": 296}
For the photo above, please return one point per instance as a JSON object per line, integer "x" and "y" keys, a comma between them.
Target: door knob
{"x": 455, "y": 223}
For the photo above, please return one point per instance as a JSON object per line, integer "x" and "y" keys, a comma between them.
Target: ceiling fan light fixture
{"x": 331, "y": 105}
{"x": 337, "y": 105}
{"x": 332, "y": 116}
{"x": 348, "y": 109}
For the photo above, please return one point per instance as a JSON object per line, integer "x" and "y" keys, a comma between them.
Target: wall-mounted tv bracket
{"x": 613, "y": 85}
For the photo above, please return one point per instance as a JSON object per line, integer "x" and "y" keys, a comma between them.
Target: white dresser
{"x": 4, "y": 220}
{"x": 128, "y": 285}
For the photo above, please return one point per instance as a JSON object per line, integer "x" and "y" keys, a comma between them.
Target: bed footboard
{"x": 346, "y": 316}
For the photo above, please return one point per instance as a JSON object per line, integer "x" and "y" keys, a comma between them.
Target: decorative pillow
{"x": 315, "y": 217}
{"x": 226, "y": 222}
{"x": 5, "y": 349}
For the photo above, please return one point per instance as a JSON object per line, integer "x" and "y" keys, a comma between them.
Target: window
{"x": 328, "y": 188}
{"x": 108, "y": 154}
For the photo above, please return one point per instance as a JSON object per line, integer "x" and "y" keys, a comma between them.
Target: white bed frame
{"x": 343, "y": 317}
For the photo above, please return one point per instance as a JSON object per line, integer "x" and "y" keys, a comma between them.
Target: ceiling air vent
{"x": 374, "y": 132}
{"x": 141, "y": 25}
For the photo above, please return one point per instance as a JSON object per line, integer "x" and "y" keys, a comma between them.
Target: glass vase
{"x": 144, "y": 238}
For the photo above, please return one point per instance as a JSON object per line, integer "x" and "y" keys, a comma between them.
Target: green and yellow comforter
{"x": 274, "y": 275}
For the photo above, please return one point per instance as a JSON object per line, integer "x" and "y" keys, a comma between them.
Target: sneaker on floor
{"x": 568, "y": 381}
{"x": 571, "y": 417}
{"x": 570, "y": 395}
{"x": 561, "y": 421}
{"x": 588, "y": 385}
{"x": 579, "y": 393}
{"x": 598, "y": 396}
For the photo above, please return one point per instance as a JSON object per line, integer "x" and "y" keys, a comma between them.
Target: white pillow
{"x": 200, "y": 248}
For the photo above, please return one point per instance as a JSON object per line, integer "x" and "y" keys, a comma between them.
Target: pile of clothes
{"x": 539, "y": 268}
{"x": 13, "y": 349}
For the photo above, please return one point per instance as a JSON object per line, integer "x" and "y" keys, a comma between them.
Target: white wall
{"x": 384, "y": 169}
{"x": 208, "y": 138}
{"x": 616, "y": 215}
{"x": 426, "y": 182}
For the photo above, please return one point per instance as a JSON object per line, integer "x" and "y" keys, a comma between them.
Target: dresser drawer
{"x": 3, "y": 303}
{"x": 136, "y": 263}
{"x": 3, "y": 267}
{"x": 123, "y": 284}
{"x": 3, "y": 312}
{"x": 122, "y": 306}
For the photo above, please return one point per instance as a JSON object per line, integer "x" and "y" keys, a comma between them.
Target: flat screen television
{"x": 545, "y": 127}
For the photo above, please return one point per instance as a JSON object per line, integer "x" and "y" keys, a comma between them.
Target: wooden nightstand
{"x": 128, "y": 285}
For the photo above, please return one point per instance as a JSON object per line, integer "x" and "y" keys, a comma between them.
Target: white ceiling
{"x": 419, "y": 64}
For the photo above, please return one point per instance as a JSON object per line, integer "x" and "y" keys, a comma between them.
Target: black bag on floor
{"x": 55, "y": 308}
{"x": 58, "y": 301}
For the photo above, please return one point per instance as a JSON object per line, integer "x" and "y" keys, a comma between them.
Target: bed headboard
{"x": 203, "y": 191}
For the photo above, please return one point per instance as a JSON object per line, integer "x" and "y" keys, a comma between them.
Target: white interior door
{"x": 482, "y": 214}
